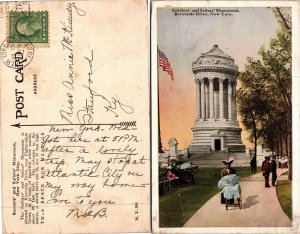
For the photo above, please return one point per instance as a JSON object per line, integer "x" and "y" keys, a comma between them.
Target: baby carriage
{"x": 231, "y": 190}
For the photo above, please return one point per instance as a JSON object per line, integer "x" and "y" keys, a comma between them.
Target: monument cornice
{"x": 203, "y": 69}
{"x": 215, "y": 60}
{"x": 215, "y": 74}
{"x": 231, "y": 128}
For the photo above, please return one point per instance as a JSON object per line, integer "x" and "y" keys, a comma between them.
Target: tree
{"x": 251, "y": 99}
{"x": 264, "y": 99}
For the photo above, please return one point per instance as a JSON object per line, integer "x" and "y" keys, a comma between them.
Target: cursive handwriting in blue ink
{"x": 66, "y": 111}
{"x": 85, "y": 115}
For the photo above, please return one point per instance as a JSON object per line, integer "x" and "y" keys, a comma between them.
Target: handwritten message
{"x": 93, "y": 158}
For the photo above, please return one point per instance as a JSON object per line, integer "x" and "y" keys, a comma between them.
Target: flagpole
{"x": 160, "y": 150}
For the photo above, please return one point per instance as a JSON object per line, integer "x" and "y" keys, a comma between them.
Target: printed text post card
{"x": 74, "y": 117}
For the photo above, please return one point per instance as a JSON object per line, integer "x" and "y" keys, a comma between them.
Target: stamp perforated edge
{"x": 35, "y": 44}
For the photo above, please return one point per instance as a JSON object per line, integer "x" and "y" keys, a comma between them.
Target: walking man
{"x": 273, "y": 170}
{"x": 266, "y": 169}
{"x": 253, "y": 165}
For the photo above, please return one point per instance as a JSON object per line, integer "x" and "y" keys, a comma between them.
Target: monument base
{"x": 199, "y": 148}
{"x": 237, "y": 148}
{"x": 217, "y": 138}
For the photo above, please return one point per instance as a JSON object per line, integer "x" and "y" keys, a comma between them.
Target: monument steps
{"x": 214, "y": 159}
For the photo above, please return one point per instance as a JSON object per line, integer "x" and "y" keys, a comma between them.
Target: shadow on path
{"x": 250, "y": 201}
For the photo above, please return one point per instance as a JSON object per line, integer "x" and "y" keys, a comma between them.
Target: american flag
{"x": 164, "y": 63}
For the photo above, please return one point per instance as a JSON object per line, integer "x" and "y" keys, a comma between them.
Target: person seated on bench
{"x": 171, "y": 177}
{"x": 230, "y": 185}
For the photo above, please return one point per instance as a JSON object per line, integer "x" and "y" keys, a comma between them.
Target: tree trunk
{"x": 290, "y": 159}
{"x": 255, "y": 136}
{"x": 287, "y": 145}
{"x": 281, "y": 148}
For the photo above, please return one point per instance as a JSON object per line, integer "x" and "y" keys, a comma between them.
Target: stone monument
{"x": 216, "y": 127}
{"x": 173, "y": 147}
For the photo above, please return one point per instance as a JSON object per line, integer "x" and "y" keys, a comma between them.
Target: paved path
{"x": 260, "y": 208}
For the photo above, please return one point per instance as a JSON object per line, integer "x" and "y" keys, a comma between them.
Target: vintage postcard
{"x": 225, "y": 117}
{"x": 75, "y": 131}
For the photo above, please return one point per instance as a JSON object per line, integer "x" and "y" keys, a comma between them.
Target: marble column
{"x": 197, "y": 98}
{"x": 234, "y": 115}
{"x": 221, "y": 98}
{"x": 211, "y": 98}
{"x": 206, "y": 89}
{"x": 229, "y": 100}
{"x": 202, "y": 99}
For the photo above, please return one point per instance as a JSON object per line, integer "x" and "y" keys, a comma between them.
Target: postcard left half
{"x": 74, "y": 117}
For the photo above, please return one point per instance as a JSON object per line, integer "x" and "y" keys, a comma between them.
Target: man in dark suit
{"x": 273, "y": 170}
{"x": 253, "y": 165}
{"x": 266, "y": 169}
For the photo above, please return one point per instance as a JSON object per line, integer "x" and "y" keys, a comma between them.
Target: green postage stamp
{"x": 28, "y": 26}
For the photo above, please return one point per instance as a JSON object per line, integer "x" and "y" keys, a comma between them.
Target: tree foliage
{"x": 264, "y": 99}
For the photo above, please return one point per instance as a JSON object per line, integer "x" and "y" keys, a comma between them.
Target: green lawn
{"x": 285, "y": 173}
{"x": 284, "y": 194}
{"x": 178, "y": 205}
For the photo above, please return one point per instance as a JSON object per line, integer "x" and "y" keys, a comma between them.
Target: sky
{"x": 183, "y": 39}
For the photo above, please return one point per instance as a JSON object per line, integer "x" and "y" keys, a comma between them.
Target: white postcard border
{"x": 295, "y": 5}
